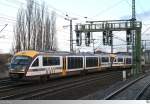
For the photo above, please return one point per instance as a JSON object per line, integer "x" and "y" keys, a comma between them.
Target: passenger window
{"x": 51, "y": 61}
{"x": 120, "y": 59}
{"x": 128, "y": 60}
{"x": 105, "y": 59}
{"x": 36, "y": 63}
{"x": 75, "y": 62}
{"x": 91, "y": 61}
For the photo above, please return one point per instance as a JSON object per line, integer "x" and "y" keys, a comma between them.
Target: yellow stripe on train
{"x": 30, "y": 53}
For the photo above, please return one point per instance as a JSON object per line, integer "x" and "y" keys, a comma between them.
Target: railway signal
{"x": 78, "y": 39}
{"x": 110, "y": 38}
{"x": 107, "y": 27}
{"x": 129, "y": 37}
{"x": 107, "y": 37}
{"x": 87, "y": 39}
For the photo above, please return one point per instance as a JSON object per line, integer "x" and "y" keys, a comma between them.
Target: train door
{"x": 64, "y": 67}
{"x": 52, "y": 64}
{"x": 36, "y": 67}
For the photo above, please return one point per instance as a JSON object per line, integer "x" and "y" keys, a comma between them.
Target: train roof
{"x": 29, "y": 53}
{"x": 32, "y": 53}
{"x": 61, "y": 53}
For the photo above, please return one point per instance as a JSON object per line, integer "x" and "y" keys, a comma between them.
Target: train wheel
{"x": 83, "y": 72}
{"x": 12, "y": 78}
{"x": 43, "y": 78}
{"x": 48, "y": 77}
{"x": 15, "y": 78}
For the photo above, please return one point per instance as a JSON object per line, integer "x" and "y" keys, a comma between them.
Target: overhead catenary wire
{"x": 9, "y": 5}
{"x": 131, "y": 6}
{"x": 107, "y": 9}
{"x": 141, "y": 7}
{"x": 59, "y": 13}
{"x": 146, "y": 30}
{"x": 3, "y": 28}
{"x": 8, "y": 18}
{"x": 16, "y": 2}
{"x": 60, "y": 16}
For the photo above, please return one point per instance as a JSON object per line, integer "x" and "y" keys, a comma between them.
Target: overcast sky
{"x": 92, "y": 9}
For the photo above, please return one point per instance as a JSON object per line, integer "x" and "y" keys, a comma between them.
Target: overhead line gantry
{"x": 109, "y": 26}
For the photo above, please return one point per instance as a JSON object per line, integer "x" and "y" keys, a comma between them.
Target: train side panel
{"x": 45, "y": 65}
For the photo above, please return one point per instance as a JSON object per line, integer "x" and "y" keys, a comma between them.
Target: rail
{"x": 115, "y": 93}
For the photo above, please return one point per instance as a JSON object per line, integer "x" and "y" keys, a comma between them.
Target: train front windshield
{"x": 20, "y": 62}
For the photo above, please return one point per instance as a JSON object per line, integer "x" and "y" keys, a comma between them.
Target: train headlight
{"x": 23, "y": 68}
{"x": 10, "y": 70}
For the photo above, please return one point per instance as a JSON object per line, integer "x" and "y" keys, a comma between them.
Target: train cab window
{"x": 105, "y": 59}
{"x": 20, "y": 61}
{"x": 35, "y": 63}
{"x": 120, "y": 59}
{"x": 51, "y": 61}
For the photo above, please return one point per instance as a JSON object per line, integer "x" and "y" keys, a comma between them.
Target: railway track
{"x": 50, "y": 89}
{"x": 141, "y": 93}
{"x": 5, "y": 81}
{"x": 6, "y": 84}
{"x": 131, "y": 91}
{"x": 13, "y": 86}
{"x": 66, "y": 87}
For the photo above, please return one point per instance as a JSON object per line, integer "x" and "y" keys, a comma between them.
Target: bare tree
{"x": 17, "y": 37}
{"x": 47, "y": 33}
{"x": 53, "y": 31}
{"x": 35, "y": 29}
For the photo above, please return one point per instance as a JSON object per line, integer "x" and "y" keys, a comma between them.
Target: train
{"x": 44, "y": 65}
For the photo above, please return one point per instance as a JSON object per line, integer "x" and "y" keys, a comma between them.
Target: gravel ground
{"x": 3, "y": 74}
{"x": 99, "y": 90}
{"x": 78, "y": 92}
{"x": 100, "y": 94}
{"x": 128, "y": 94}
{"x": 146, "y": 95}
{"x": 131, "y": 92}
{"x": 70, "y": 93}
